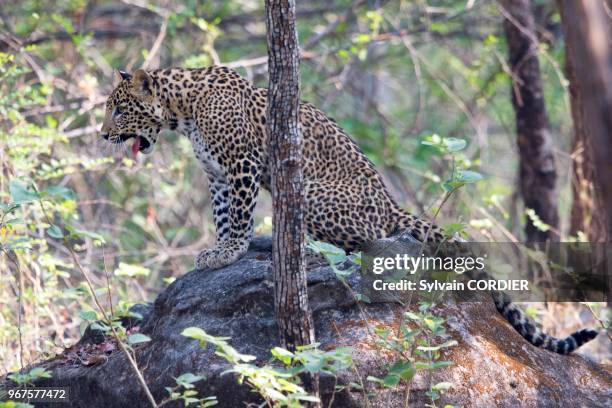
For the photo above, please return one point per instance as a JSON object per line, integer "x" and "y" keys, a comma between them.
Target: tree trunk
{"x": 537, "y": 162}
{"x": 588, "y": 214}
{"x": 588, "y": 37}
{"x": 290, "y": 288}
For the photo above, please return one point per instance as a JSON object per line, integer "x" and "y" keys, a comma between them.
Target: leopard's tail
{"x": 426, "y": 231}
{"x": 533, "y": 334}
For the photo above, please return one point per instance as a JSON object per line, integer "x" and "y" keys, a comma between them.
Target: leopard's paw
{"x": 217, "y": 257}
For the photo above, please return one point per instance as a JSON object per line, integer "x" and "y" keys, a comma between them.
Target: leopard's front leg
{"x": 235, "y": 231}
{"x": 219, "y": 197}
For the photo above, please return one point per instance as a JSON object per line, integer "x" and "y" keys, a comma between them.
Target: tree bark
{"x": 588, "y": 37}
{"x": 537, "y": 174}
{"x": 290, "y": 288}
{"x": 588, "y": 214}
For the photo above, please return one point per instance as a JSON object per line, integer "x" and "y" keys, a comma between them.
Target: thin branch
{"x": 83, "y": 131}
{"x": 10, "y": 255}
{"x": 106, "y": 317}
{"x": 316, "y": 38}
{"x": 157, "y": 44}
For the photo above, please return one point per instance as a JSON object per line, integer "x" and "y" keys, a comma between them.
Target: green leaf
{"x": 391, "y": 380}
{"x": 362, "y": 298}
{"x": 22, "y": 192}
{"x": 311, "y": 346}
{"x": 355, "y": 386}
{"x": 198, "y": 334}
{"x": 451, "y": 185}
{"x": 442, "y": 386}
{"x": 446, "y": 144}
{"x": 138, "y": 338}
{"x": 453, "y": 144}
{"x": 8, "y": 208}
{"x": 432, "y": 140}
{"x": 186, "y": 380}
{"x": 450, "y": 343}
{"x": 468, "y": 176}
{"x": 439, "y": 27}
{"x": 408, "y": 334}
{"x": 285, "y": 356}
{"x": 55, "y": 232}
{"x": 491, "y": 39}
{"x": 422, "y": 365}
{"x": 15, "y": 221}
{"x": 310, "y": 398}
{"x": 536, "y": 220}
{"x": 13, "y": 404}
{"x": 195, "y": 333}
{"x": 371, "y": 378}
{"x": 362, "y": 38}
{"x": 135, "y": 315}
{"x": 403, "y": 369}
{"x": 332, "y": 253}
{"x": 60, "y": 192}
{"x": 130, "y": 270}
{"x": 454, "y": 228}
{"x": 412, "y": 316}
{"x": 39, "y": 372}
{"x": 99, "y": 326}
{"x": 382, "y": 332}
{"x": 20, "y": 243}
{"x": 18, "y": 378}
{"x": 88, "y": 315}
{"x": 78, "y": 233}
{"x": 210, "y": 403}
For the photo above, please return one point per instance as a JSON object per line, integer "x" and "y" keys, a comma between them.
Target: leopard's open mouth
{"x": 140, "y": 143}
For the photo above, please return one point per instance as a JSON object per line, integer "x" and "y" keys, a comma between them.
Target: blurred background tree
{"x": 393, "y": 73}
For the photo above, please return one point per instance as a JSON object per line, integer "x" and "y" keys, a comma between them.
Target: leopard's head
{"x": 133, "y": 112}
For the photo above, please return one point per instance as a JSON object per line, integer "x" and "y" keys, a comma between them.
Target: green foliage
{"x": 336, "y": 258}
{"x": 29, "y": 377}
{"x": 138, "y": 338}
{"x": 13, "y": 404}
{"x": 131, "y": 271}
{"x": 415, "y": 347}
{"x": 184, "y": 391}
{"x": 279, "y": 386}
{"x": 452, "y": 147}
{"x": 38, "y": 211}
{"x": 536, "y": 220}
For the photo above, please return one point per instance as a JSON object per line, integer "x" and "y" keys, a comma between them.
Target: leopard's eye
{"x": 118, "y": 111}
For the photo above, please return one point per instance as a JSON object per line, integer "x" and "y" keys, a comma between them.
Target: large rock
{"x": 493, "y": 365}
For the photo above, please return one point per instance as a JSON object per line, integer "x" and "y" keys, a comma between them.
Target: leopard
{"x": 224, "y": 116}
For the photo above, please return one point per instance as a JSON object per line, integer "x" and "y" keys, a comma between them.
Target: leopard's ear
{"x": 119, "y": 76}
{"x": 141, "y": 83}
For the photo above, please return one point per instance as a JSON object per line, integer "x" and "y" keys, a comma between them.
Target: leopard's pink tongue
{"x": 136, "y": 146}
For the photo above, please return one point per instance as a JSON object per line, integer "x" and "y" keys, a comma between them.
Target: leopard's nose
{"x": 105, "y": 136}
